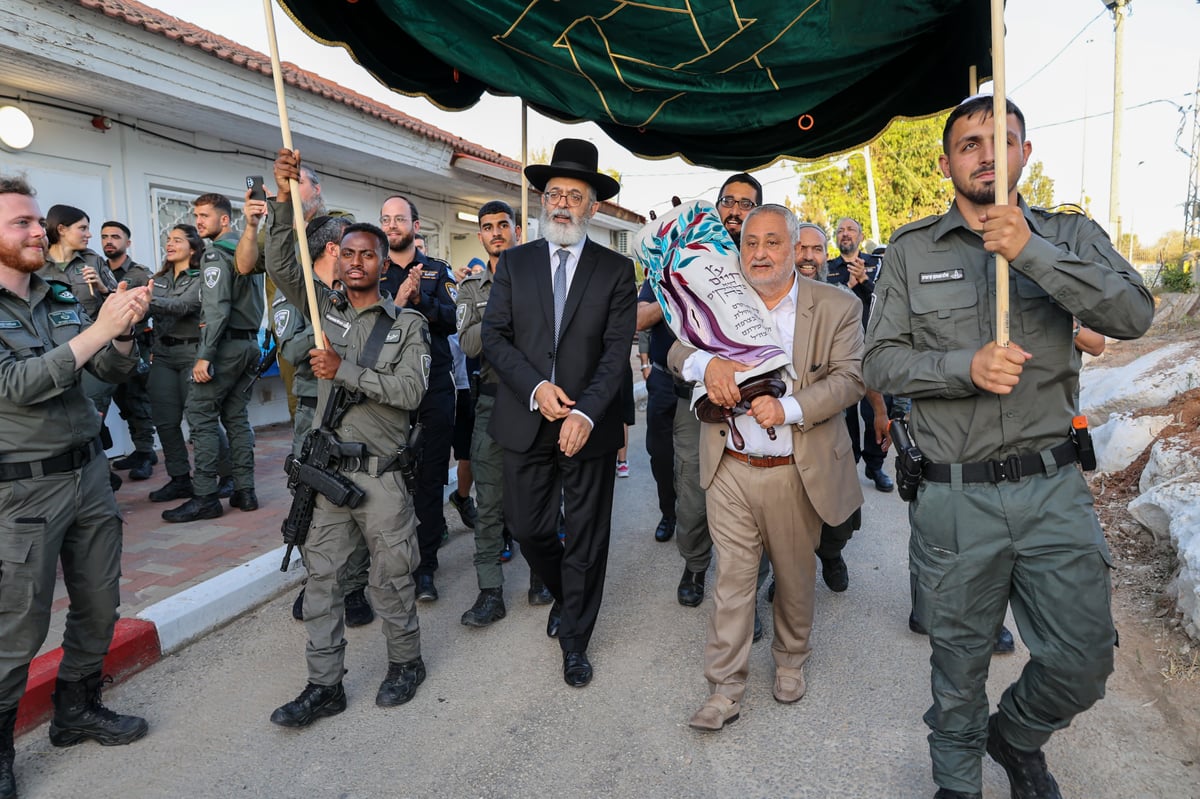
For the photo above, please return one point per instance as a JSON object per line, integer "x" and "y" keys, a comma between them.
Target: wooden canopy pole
{"x": 314, "y": 313}
{"x": 524, "y": 163}
{"x": 1000, "y": 151}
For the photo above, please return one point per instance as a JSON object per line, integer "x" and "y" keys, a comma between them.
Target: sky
{"x": 1059, "y": 57}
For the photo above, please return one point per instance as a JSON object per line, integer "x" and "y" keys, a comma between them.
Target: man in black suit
{"x": 558, "y": 330}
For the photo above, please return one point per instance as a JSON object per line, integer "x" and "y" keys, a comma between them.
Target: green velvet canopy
{"x": 729, "y": 84}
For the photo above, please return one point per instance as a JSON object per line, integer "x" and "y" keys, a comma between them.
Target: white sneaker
{"x": 622, "y": 468}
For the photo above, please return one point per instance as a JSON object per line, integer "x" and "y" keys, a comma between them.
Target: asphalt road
{"x": 494, "y": 718}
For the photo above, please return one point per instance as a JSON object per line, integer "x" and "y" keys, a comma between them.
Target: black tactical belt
{"x": 171, "y": 341}
{"x": 487, "y": 389}
{"x": 374, "y": 465}
{"x": 307, "y": 402}
{"x": 1012, "y": 468}
{"x": 66, "y": 462}
{"x": 241, "y": 334}
{"x": 683, "y": 390}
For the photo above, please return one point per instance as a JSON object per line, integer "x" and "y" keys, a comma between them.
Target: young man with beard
{"x": 131, "y": 397}
{"x": 54, "y": 494}
{"x": 557, "y": 330}
{"x": 424, "y": 284}
{"x": 498, "y": 232}
{"x": 1002, "y": 515}
{"x": 379, "y": 354}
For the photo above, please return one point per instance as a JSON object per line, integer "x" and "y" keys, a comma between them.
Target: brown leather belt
{"x": 761, "y": 461}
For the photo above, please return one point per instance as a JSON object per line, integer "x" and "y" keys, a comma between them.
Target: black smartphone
{"x": 255, "y": 184}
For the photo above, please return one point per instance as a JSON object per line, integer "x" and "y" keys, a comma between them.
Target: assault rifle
{"x": 316, "y": 471}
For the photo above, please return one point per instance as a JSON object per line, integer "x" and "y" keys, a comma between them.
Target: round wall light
{"x": 16, "y": 129}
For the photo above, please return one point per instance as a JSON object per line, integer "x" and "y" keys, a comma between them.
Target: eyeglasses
{"x": 728, "y": 201}
{"x": 387, "y": 220}
{"x": 554, "y": 196}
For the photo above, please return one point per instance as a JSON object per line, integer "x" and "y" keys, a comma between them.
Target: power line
{"x": 1060, "y": 52}
{"x": 1099, "y": 114}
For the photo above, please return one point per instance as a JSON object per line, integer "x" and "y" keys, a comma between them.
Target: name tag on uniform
{"x": 9, "y": 324}
{"x": 943, "y": 276}
{"x": 432, "y": 274}
{"x": 63, "y": 318}
{"x": 342, "y": 323}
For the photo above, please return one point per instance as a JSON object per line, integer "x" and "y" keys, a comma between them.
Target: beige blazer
{"x": 827, "y": 352}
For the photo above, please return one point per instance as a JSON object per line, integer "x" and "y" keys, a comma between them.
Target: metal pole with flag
{"x": 1000, "y": 153}
{"x": 297, "y": 205}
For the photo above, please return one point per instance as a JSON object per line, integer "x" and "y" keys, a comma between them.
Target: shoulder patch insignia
{"x": 282, "y": 317}
{"x": 212, "y": 275}
{"x": 280, "y": 300}
{"x": 452, "y": 290}
{"x": 64, "y": 318}
{"x": 426, "y": 363}
{"x": 211, "y": 256}
{"x": 392, "y": 337}
{"x": 62, "y": 293}
{"x": 460, "y": 315}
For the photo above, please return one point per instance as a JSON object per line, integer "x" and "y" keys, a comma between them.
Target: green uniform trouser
{"x": 1034, "y": 544}
{"x": 70, "y": 516}
{"x": 218, "y": 402}
{"x": 168, "y": 387}
{"x": 487, "y": 464}
{"x": 133, "y": 403}
{"x": 387, "y": 523}
{"x": 691, "y": 518}
{"x": 360, "y": 561}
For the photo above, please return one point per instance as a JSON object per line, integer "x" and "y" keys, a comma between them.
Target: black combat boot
{"x": 8, "y": 753}
{"x": 78, "y": 715}
{"x": 358, "y": 610}
{"x": 1028, "y": 777}
{"x": 208, "y": 507}
{"x": 134, "y": 458}
{"x": 946, "y": 793}
{"x": 142, "y": 467}
{"x": 314, "y": 702}
{"x": 180, "y": 487}
{"x": 400, "y": 684}
{"x": 488, "y": 608}
{"x": 244, "y": 498}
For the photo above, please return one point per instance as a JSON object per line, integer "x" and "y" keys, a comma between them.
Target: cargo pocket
{"x": 17, "y": 540}
{"x": 932, "y": 552}
{"x": 944, "y": 315}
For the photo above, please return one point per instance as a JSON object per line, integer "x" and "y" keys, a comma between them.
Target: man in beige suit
{"x": 774, "y": 493}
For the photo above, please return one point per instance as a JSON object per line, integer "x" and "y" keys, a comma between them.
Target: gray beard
{"x": 562, "y": 235}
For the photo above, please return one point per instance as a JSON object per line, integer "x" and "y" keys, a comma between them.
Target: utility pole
{"x": 871, "y": 196}
{"x": 1191, "y": 208}
{"x": 1119, "y": 8}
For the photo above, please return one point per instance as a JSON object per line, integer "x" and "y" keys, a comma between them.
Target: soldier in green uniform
{"x": 498, "y": 231}
{"x": 175, "y": 307}
{"x": 54, "y": 498}
{"x": 131, "y": 397}
{"x": 1002, "y": 514}
{"x": 232, "y": 309}
{"x": 81, "y": 271}
{"x": 379, "y": 353}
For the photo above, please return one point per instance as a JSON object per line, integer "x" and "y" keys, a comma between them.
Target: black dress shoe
{"x": 834, "y": 573}
{"x": 400, "y": 684}
{"x": 244, "y": 499}
{"x": 180, "y": 487}
{"x": 1028, "y": 777}
{"x": 196, "y": 508}
{"x": 426, "y": 590}
{"x": 577, "y": 669}
{"x": 758, "y": 628}
{"x": 691, "y": 588}
{"x": 666, "y": 529}
{"x": 225, "y": 488}
{"x": 488, "y": 608}
{"x": 314, "y": 702}
{"x": 539, "y": 594}
{"x": 466, "y": 509}
{"x": 881, "y": 479}
{"x": 358, "y": 610}
{"x": 554, "y": 620}
{"x": 1005, "y": 645}
{"x": 915, "y": 625}
{"x": 298, "y": 606}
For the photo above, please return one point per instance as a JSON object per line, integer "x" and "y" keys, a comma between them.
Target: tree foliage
{"x": 908, "y": 183}
{"x": 1037, "y": 188}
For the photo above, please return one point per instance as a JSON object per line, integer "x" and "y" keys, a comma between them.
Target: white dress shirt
{"x": 783, "y": 319}
{"x": 575, "y": 251}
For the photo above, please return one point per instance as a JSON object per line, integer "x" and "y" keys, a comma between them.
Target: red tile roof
{"x": 155, "y": 21}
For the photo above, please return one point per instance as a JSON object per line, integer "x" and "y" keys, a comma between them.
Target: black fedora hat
{"x": 574, "y": 158}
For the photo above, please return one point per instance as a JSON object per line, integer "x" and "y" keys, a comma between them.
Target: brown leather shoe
{"x": 717, "y": 711}
{"x": 789, "y": 685}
